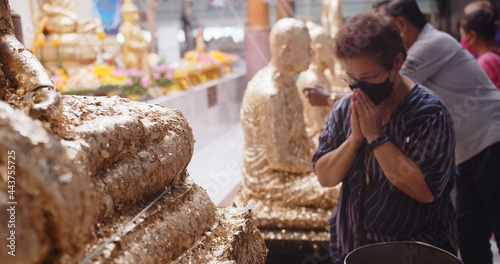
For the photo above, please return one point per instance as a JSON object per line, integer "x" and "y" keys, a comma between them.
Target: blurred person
{"x": 478, "y": 30}
{"x": 391, "y": 144}
{"x": 437, "y": 60}
{"x": 475, "y": 6}
{"x": 471, "y": 8}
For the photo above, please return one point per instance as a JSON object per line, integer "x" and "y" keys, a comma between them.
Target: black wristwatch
{"x": 379, "y": 141}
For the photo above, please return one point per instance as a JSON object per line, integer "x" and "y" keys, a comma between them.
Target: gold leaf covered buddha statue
{"x": 85, "y": 166}
{"x": 135, "y": 47}
{"x": 77, "y": 39}
{"x": 323, "y": 59}
{"x": 277, "y": 171}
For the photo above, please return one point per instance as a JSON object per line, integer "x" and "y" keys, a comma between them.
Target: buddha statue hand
{"x": 45, "y": 100}
{"x": 26, "y": 76}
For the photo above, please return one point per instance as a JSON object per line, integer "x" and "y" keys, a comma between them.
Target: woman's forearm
{"x": 332, "y": 167}
{"x": 402, "y": 172}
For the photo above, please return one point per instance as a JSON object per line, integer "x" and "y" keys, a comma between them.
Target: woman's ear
{"x": 401, "y": 23}
{"x": 398, "y": 62}
{"x": 472, "y": 38}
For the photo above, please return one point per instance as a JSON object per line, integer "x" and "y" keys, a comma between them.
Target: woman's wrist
{"x": 373, "y": 137}
{"x": 355, "y": 142}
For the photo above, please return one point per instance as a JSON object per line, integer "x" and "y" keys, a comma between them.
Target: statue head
{"x": 322, "y": 45}
{"x": 130, "y": 12}
{"x": 290, "y": 45}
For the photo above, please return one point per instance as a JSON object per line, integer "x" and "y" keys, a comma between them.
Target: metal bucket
{"x": 400, "y": 253}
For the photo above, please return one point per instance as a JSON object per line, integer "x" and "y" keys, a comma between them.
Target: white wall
{"x": 168, "y": 46}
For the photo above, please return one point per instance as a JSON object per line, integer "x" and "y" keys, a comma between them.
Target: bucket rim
{"x": 400, "y": 242}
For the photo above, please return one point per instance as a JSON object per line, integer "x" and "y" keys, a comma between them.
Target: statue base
{"x": 271, "y": 215}
{"x": 292, "y": 234}
{"x": 181, "y": 227}
{"x": 297, "y": 247}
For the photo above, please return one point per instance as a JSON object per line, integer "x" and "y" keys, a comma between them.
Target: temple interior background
{"x": 212, "y": 107}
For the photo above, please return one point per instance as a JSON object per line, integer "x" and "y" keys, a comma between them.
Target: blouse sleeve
{"x": 432, "y": 148}
{"x": 426, "y": 57}
{"x": 333, "y": 134}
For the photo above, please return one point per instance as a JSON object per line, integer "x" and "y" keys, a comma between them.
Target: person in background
{"x": 473, "y": 7}
{"x": 439, "y": 62}
{"x": 478, "y": 30}
{"x": 391, "y": 144}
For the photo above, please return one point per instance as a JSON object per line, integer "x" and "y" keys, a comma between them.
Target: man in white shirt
{"x": 438, "y": 61}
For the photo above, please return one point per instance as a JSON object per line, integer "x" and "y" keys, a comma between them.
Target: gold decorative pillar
{"x": 331, "y": 16}
{"x": 257, "y": 36}
{"x": 285, "y": 8}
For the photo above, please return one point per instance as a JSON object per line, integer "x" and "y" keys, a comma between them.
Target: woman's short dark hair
{"x": 409, "y": 10}
{"x": 370, "y": 34}
{"x": 483, "y": 22}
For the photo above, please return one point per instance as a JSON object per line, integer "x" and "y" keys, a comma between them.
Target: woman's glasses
{"x": 353, "y": 82}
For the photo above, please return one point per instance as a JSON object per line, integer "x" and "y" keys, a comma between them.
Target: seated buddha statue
{"x": 324, "y": 58}
{"x": 83, "y": 167}
{"x": 60, "y": 15}
{"x": 277, "y": 168}
{"x": 135, "y": 47}
{"x": 58, "y": 21}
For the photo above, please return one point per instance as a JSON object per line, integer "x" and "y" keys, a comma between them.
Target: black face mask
{"x": 377, "y": 92}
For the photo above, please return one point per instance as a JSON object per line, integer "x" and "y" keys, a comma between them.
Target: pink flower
{"x": 145, "y": 82}
{"x": 119, "y": 71}
{"x": 129, "y": 82}
{"x": 170, "y": 75}
{"x": 135, "y": 73}
{"x": 160, "y": 68}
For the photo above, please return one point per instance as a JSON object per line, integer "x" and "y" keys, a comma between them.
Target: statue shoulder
{"x": 263, "y": 90}
{"x": 262, "y": 81}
